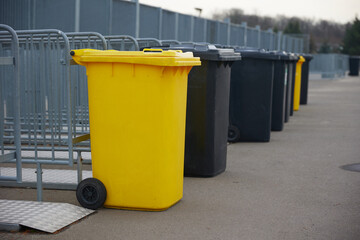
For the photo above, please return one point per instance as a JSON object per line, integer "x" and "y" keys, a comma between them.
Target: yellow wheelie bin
{"x": 297, "y": 86}
{"x": 137, "y": 108}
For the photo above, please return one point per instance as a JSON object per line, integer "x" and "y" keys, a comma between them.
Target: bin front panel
{"x": 207, "y": 119}
{"x": 304, "y": 83}
{"x": 251, "y": 98}
{"x": 292, "y": 88}
{"x": 279, "y": 95}
{"x": 288, "y": 102}
{"x": 305, "y": 79}
{"x": 354, "y": 65}
{"x": 137, "y": 122}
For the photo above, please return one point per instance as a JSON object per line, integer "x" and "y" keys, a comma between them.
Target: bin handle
{"x": 158, "y": 50}
{"x": 152, "y": 50}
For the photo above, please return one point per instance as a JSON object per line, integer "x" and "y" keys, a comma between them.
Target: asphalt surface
{"x": 290, "y": 188}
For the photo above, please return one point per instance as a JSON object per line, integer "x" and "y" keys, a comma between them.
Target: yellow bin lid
{"x": 301, "y": 59}
{"x": 156, "y": 57}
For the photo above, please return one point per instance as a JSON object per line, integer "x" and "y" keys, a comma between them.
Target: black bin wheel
{"x": 91, "y": 193}
{"x": 233, "y": 133}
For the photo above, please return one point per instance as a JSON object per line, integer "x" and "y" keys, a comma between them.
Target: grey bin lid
{"x": 256, "y": 54}
{"x": 208, "y": 52}
{"x": 287, "y": 56}
{"x": 293, "y": 57}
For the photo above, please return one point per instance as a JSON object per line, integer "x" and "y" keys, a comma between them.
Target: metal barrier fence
{"x": 10, "y": 99}
{"x": 116, "y": 17}
{"x": 330, "y": 65}
{"x": 53, "y": 110}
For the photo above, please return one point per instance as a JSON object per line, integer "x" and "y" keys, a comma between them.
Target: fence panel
{"x": 184, "y": 28}
{"x": 55, "y": 14}
{"x": 199, "y": 29}
{"x": 123, "y": 18}
{"x": 94, "y": 16}
{"x": 168, "y": 25}
{"x": 222, "y": 33}
{"x": 149, "y": 22}
{"x": 16, "y": 13}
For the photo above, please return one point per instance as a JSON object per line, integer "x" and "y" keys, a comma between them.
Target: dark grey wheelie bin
{"x": 289, "y": 99}
{"x": 305, "y": 78}
{"x": 290, "y": 103}
{"x": 207, "y": 109}
{"x": 251, "y": 96}
{"x": 281, "y": 70}
{"x": 354, "y": 62}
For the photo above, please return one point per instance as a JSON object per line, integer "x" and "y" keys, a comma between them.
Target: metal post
{"x": 160, "y": 22}
{"x": 205, "y": 30}
{"x": 279, "y": 36}
{"x": 29, "y": 15}
{"x": 17, "y": 124}
{"x": 192, "y": 29}
{"x": 176, "y": 26}
{"x": 227, "y": 20}
{"x": 270, "y": 33}
{"x": 137, "y": 19}
{"x": 110, "y": 16}
{"x": 34, "y": 15}
{"x": 217, "y": 32}
{"x": 77, "y": 16}
{"x": 244, "y": 25}
{"x": 39, "y": 182}
{"x": 79, "y": 166}
{"x": 257, "y": 27}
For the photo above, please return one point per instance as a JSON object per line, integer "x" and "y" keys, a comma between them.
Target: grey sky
{"x": 336, "y": 10}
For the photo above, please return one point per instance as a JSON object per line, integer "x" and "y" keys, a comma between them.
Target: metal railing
{"x": 330, "y": 65}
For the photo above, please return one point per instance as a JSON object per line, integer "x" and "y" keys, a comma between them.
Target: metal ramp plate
{"x": 44, "y": 216}
{"x": 49, "y": 175}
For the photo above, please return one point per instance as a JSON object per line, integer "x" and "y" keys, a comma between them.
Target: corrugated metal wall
{"x": 115, "y": 17}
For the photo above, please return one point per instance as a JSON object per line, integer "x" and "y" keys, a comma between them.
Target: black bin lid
{"x": 354, "y": 57}
{"x": 282, "y": 55}
{"x": 293, "y": 57}
{"x": 255, "y": 53}
{"x": 207, "y": 51}
{"x": 307, "y": 56}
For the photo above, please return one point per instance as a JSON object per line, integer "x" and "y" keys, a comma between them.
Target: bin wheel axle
{"x": 91, "y": 193}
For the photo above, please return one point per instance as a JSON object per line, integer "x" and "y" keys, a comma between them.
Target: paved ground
{"x": 290, "y": 188}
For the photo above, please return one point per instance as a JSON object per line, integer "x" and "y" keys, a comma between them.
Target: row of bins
{"x": 157, "y": 115}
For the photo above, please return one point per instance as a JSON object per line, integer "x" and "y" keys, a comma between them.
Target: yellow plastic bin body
{"x": 137, "y": 108}
{"x": 297, "y": 86}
